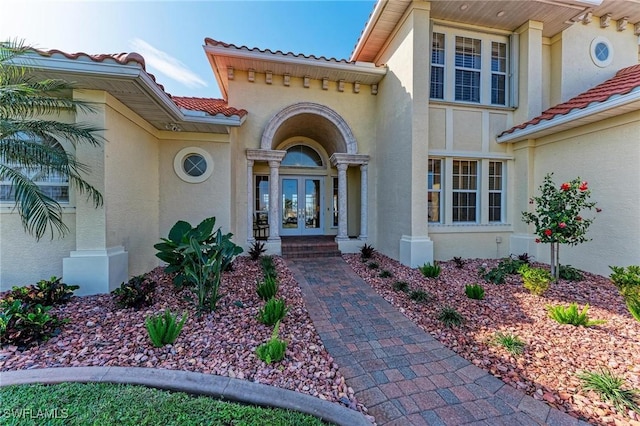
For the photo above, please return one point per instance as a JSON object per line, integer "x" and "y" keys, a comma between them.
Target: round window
{"x": 193, "y": 165}
{"x": 601, "y": 52}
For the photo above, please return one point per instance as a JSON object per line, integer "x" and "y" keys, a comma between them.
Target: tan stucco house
{"x": 427, "y": 143}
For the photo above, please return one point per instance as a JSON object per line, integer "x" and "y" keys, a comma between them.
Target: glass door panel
{"x": 301, "y": 208}
{"x": 289, "y": 207}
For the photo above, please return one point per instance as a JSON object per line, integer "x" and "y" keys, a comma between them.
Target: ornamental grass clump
{"x": 402, "y": 286}
{"x": 268, "y": 287}
{"x": 164, "y": 328}
{"x": 420, "y": 296}
{"x": 366, "y": 252}
{"x": 474, "y": 291}
{"x": 450, "y": 317}
{"x": 429, "y": 270}
{"x": 571, "y": 315}
{"x": 609, "y": 389}
{"x": 512, "y": 343}
{"x": 272, "y": 311}
{"x": 273, "y": 350}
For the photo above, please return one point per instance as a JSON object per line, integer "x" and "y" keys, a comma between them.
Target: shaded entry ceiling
{"x": 314, "y": 127}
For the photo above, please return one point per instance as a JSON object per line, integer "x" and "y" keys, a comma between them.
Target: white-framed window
{"x": 437, "y": 66}
{"x": 334, "y": 202}
{"x": 193, "y": 164}
{"x": 465, "y": 191}
{"x": 469, "y": 66}
{"x": 496, "y": 191}
{"x": 52, "y": 184}
{"x": 434, "y": 185}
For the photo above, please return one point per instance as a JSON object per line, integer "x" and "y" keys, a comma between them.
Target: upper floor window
{"x": 302, "y": 156}
{"x": 52, "y": 184}
{"x": 469, "y": 67}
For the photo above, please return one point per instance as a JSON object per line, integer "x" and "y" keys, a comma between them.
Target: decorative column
{"x": 250, "y": 237}
{"x": 342, "y": 201}
{"x": 274, "y": 199}
{"x": 363, "y": 202}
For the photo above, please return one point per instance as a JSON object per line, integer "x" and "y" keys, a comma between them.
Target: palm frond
{"x": 37, "y": 211}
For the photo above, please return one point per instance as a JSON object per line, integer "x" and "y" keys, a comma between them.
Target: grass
{"x": 512, "y": 343}
{"x": 609, "y": 389}
{"x": 450, "y": 317}
{"x": 106, "y": 403}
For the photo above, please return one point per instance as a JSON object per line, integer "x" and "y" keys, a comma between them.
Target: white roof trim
{"x": 358, "y": 67}
{"x": 532, "y": 130}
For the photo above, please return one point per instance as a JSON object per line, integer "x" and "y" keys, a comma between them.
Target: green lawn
{"x": 111, "y": 404}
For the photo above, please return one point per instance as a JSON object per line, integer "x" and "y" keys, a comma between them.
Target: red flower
{"x": 537, "y": 240}
{"x": 598, "y": 210}
{"x": 548, "y": 232}
{"x": 562, "y": 225}
{"x": 530, "y": 200}
{"x": 583, "y": 187}
{"x": 565, "y": 186}
{"x": 578, "y": 218}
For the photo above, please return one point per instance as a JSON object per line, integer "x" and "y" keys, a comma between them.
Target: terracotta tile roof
{"x": 208, "y": 105}
{"x": 211, "y": 42}
{"x": 625, "y": 81}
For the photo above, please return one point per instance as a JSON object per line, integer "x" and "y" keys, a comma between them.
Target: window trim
{"x": 178, "y": 164}
{"x": 486, "y": 39}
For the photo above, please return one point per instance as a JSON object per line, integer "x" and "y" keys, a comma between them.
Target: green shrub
{"x": 474, "y": 291}
{"x": 268, "y": 288}
{"x": 627, "y": 280}
{"x": 429, "y": 270}
{"x": 367, "y": 252}
{"x": 45, "y": 292}
{"x": 609, "y": 389}
{"x": 274, "y": 349}
{"x": 459, "y": 262}
{"x": 24, "y": 325}
{"x": 570, "y": 315}
{"x": 450, "y": 317}
{"x": 273, "y": 311}
{"x": 507, "y": 266}
{"x": 633, "y": 304}
{"x": 373, "y": 265}
{"x": 268, "y": 267}
{"x": 135, "y": 293}
{"x": 385, "y": 274}
{"x": 569, "y": 273}
{"x": 420, "y": 296}
{"x": 163, "y": 328}
{"x": 536, "y": 280}
{"x": 256, "y": 250}
{"x": 401, "y": 286}
{"x": 510, "y": 342}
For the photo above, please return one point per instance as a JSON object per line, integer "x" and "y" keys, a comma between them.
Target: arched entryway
{"x": 308, "y": 149}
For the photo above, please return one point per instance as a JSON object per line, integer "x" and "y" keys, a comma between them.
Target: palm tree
{"x": 29, "y": 144}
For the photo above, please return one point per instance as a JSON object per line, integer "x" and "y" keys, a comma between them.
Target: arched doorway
{"x": 308, "y": 148}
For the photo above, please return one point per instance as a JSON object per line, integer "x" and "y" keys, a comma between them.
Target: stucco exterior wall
{"x": 131, "y": 194}
{"x": 605, "y": 155}
{"x": 357, "y": 110}
{"x": 23, "y": 260}
{"x": 193, "y": 202}
{"x": 572, "y": 68}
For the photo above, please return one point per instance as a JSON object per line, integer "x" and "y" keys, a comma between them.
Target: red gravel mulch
{"x": 553, "y": 353}
{"x": 222, "y": 343}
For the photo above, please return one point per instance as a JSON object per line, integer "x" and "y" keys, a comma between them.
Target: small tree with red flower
{"x": 558, "y": 216}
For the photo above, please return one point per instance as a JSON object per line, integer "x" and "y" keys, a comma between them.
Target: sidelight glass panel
{"x": 312, "y": 204}
{"x": 289, "y": 203}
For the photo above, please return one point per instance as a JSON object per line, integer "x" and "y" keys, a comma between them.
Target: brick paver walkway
{"x": 398, "y": 371}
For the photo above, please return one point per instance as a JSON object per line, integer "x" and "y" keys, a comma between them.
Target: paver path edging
{"x": 225, "y": 388}
{"x": 397, "y": 370}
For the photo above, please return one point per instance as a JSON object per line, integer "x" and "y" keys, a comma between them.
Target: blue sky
{"x": 170, "y": 34}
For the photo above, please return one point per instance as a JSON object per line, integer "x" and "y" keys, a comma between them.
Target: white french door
{"x": 301, "y": 206}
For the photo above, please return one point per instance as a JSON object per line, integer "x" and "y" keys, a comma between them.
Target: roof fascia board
{"x": 123, "y": 71}
{"x": 530, "y": 132}
{"x": 368, "y": 28}
{"x": 263, "y": 56}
